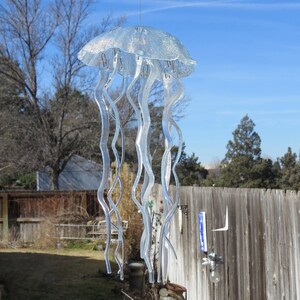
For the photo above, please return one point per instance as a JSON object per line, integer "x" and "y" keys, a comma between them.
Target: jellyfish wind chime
{"x": 142, "y": 56}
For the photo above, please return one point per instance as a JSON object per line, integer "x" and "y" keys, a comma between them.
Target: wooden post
{"x": 5, "y": 217}
{"x": 83, "y": 200}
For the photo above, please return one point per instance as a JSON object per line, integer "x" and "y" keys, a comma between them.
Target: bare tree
{"x": 25, "y": 31}
{"x": 59, "y": 123}
{"x": 42, "y": 127}
{"x": 17, "y": 134}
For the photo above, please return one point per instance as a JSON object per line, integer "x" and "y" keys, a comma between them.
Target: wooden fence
{"x": 22, "y": 213}
{"x": 261, "y": 249}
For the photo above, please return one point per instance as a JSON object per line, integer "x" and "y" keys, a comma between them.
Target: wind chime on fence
{"x": 212, "y": 259}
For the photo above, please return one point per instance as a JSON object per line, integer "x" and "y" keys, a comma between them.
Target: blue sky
{"x": 248, "y": 62}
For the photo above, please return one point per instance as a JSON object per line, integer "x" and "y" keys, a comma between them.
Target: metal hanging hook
{"x": 225, "y": 228}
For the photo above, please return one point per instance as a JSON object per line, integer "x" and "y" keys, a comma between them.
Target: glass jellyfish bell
{"x": 145, "y": 55}
{"x": 145, "y": 42}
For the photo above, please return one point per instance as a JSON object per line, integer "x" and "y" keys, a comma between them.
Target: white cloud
{"x": 271, "y": 113}
{"x": 155, "y": 6}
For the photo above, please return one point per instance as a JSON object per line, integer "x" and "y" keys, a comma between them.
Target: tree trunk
{"x": 54, "y": 180}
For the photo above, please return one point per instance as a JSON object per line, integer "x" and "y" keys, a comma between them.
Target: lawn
{"x": 29, "y": 274}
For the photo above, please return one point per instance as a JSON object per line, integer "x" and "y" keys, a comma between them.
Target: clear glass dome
{"x": 145, "y": 42}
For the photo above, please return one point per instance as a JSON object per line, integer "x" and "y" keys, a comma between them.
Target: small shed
{"x": 79, "y": 174}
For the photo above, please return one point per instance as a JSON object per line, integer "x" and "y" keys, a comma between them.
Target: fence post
{"x": 83, "y": 200}
{"x": 5, "y": 216}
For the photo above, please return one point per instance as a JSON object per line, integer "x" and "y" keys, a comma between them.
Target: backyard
{"x": 55, "y": 274}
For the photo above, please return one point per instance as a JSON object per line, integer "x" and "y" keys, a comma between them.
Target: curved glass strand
{"x": 145, "y": 239}
{"x": 139, "y": 62}
{"x": 175, "y": 206}
{"x": 112, "y": 187}
{"x": 173, "y": 124}
{"x": 176, "y": 202}
{"x": 167, "y": 204}
{"x": 167, "y": 116}
{"x": 137, "y": 114}
{"x": 165, "y": 175}
{"x": 145, "y": 233}
{"x": 146, "y": 160}
{"x": 114, "y": 114}
{"x": 98, "y": 94}
{"x": 121, "y": 132}
{"x": 117, "y": 173}
{"x": 177, "y": 158}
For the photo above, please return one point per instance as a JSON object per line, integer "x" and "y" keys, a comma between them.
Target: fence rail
{"x": 85, "y": 232}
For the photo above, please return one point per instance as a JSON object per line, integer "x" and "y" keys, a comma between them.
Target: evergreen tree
{"x": 264, "y": 174}
{"x": 189, "y": 170}
{"x": 290, "y": 171}
{"x": 246, "y": 142}
{"x": 242, "y": 165}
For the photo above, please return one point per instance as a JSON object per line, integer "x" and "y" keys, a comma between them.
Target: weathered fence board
{"x": 23, "y": 211}
{"x": 261, "y": 249}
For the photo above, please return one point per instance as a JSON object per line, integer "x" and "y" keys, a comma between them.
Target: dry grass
{"x": 129, "y": 212}
{"x": 55, "y": 274}
{"x": 70, "y": 214}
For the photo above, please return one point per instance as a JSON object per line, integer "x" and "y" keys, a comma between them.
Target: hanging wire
{"x": 140, "y": 12}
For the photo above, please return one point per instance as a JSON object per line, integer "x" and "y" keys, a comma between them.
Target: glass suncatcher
{"x": 144, "y": 55}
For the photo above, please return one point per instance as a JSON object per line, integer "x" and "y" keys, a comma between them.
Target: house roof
{"x": 79, "y": 174}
